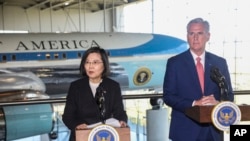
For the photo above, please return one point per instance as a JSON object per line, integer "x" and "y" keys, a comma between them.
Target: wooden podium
{"x": 202, "y": 114}
{"x": 83, "y": 135}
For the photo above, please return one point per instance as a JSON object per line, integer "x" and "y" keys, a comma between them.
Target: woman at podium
{"x": 94, "y": 97}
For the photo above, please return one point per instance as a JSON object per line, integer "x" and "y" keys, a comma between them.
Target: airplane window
{"x": 14, "y": 57}
{"x": 64, "y": 56}
{"x": 4, "y": 58}
{"x": 56, "y": 55}
{"x": 108, "y": 53}
{"x": 79, "y": 55}
{"x": 47, "y": 56}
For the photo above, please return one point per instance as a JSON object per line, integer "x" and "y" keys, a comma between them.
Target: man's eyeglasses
{"x": 93, "y": 63}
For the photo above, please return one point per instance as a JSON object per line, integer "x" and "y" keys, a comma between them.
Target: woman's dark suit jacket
{"x": 81, "y": 106}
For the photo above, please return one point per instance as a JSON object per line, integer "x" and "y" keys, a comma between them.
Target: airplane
{"x": 137, "y": 61}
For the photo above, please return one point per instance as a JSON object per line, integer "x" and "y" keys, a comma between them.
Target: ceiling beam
{"x": 38, "y": 4}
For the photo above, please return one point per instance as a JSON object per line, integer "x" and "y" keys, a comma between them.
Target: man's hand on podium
{"x": 206, "y": 100}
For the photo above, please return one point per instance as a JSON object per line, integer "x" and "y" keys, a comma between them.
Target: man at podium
{"x": 188, "y": 83}
{"x": 94, "y": 97}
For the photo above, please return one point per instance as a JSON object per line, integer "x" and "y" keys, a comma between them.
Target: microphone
{"x": 220, "y": 80}
{"x": 100, "y": 100}
{"x": 216, "y": 76}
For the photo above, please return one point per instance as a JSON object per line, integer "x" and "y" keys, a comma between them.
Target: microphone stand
{"x": 102, "y": 108}
{"x": 223, "y": 89}
{"x": 101, "y": 103}
{"x": 220, "y": 80}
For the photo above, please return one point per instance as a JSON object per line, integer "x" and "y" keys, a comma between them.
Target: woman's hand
{"x": 81, "y": 126}
{"x": 123, "y": 124}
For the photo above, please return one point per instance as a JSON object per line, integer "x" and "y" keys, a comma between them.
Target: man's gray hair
{"x": 199, "y": 20}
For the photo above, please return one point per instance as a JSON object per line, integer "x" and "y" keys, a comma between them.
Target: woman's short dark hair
{"x": 104, "y": 57}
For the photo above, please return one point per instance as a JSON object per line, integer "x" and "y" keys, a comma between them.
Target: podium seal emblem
{"x": 103, "y": 133}
{"x": 225, "y": 114}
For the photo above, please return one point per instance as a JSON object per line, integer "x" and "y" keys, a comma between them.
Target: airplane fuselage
{"x": 137, "y": 60}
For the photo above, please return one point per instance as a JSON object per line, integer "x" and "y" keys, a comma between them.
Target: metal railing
{"x": 62, "y": 100}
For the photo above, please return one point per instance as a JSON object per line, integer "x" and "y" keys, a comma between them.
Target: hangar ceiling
{"x": 89, "y": 5}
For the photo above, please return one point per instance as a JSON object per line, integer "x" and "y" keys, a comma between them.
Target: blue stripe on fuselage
{"x": 160, "y": 44}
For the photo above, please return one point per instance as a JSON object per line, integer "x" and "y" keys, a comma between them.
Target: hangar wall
{"x": 68, "y": 20}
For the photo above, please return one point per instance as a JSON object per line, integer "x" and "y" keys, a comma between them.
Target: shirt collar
{"x": 202, "y": 56}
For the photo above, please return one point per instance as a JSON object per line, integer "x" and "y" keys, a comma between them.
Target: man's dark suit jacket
{"x": 181, "y": 87}
{"x": 81, "y": 106}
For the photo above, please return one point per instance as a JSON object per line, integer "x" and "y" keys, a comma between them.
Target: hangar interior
{"x": 62, "y": 15}
{"x": 229, "y": 38}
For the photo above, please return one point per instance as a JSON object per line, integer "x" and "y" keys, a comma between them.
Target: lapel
{"x": 207, "y": 71}
{"x": 192, "y": 68}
